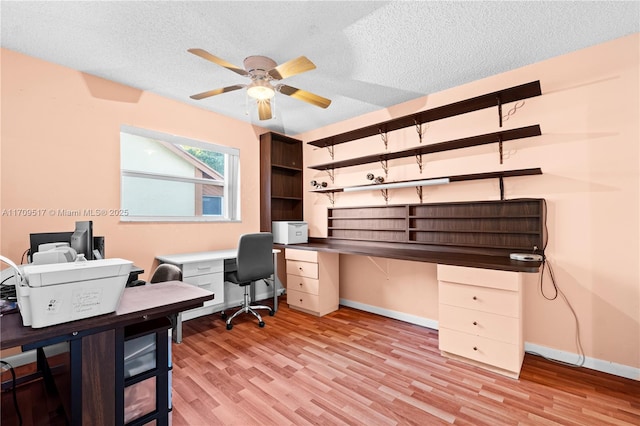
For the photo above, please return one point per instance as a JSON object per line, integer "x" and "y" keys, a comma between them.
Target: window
{"x": 171, "y": 178}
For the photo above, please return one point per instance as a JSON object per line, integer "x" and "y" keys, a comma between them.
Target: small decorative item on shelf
{"x": 375, "y": 179}
{"x": 318, "y": 185}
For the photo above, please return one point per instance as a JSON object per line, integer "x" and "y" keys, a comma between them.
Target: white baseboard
{"x": 412, "y": 319}
{"x": 591, "y": 363}
{"x": 554, "y": 354}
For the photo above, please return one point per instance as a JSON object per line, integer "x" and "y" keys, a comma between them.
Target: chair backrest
{"x": 255, "y": 256}
{"x": 166, "y": 272}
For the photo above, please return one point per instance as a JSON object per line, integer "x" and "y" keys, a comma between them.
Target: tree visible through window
{"x": 165, "y": 177}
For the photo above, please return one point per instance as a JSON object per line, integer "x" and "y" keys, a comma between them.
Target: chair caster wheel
{"x": 229, "y": 326}
{"x": 271, "y": 313}
{"x": 223, "y": 315}
{"x": 261, "y": 324}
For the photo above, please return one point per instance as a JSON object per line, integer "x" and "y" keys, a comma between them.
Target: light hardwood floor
{"x": 355, "y": 368}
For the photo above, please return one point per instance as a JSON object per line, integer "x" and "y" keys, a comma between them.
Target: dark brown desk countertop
{"x": 420, "y": 253}
{"x": 138, "y": 304}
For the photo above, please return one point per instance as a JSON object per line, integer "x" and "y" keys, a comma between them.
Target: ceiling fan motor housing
{"x": 259, "y": 63}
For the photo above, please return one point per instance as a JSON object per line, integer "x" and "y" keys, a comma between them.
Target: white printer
{"x": 289, "y": 232}
{"x": 62, "y": 292}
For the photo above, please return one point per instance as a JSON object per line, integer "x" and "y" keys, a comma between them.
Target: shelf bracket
{"x": 332, "y": 174}
{"x": 386, "y": 274}
{"x": 501, "y": 188}
{"x": 513, "y": 110}
{"x": 384, "y": 138}
{"x": 500, "y": 150}
{"x": 332, "y": 197}
{"x": 418, "y": 129}
{"x": 499, "y": 111}
{"x": 419, "y": 161}
{"x": 330, "y": 148}
{"x": 385, "y": 167}
{"x": 385, "y": 195}
{"x": 419, "y": 191}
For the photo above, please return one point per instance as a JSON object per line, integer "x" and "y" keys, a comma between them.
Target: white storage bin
{"x": 287, "y": 232}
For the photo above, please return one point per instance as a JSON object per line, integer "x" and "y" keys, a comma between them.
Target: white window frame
{"x": 231, "y": 204}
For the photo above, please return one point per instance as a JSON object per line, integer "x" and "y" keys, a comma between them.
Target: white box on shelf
{"x": 289, "y": 232}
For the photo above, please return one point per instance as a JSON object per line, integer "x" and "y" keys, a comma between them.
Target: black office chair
{"x": 168, "y": 272}
{"x": 254, "y": 262}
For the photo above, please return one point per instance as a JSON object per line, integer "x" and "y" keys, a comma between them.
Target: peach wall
{"x": 60, "y": 150}
{"x": 590, "y": 158}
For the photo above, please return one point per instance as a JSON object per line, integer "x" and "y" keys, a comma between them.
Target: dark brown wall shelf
{"x": 497, "y": 98}
{"x": 505, "y": 135}
{"x": 281, "y": 191}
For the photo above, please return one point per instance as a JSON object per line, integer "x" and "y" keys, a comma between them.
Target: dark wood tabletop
{"x": 138, "y": 304}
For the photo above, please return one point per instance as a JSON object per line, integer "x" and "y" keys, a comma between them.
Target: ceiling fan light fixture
{"x": 261, "y": 90}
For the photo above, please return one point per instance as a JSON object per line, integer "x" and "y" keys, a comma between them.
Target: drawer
{"x": 210, "y": 282}
{"x": 304, "y": 255}
{"x": 505, "y": 280}
{"x": 303, "y": 284}
{"x": 302, "y": 269}
{"x": 310, "y": 302}
{"x": 492, "y": 326}
{"x": 499, "y": 354}
{"x": 201, "y": 268}
{"x": 484, "y": 299}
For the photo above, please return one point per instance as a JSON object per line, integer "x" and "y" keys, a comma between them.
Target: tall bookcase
{"x": 280, "y": 179}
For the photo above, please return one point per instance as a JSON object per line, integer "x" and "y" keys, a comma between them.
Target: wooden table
{"x": 96, "y": 347}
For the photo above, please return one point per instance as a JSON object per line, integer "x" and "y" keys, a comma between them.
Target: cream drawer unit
{"x": 480, "y": 317}
{"x": 312, "y": 281}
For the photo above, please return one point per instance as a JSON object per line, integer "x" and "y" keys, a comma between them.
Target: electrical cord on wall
{"x": 557, "y": 292}
{"x": 13, "y": 390}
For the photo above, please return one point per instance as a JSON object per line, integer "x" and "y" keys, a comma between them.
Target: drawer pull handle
{"x": 301, "y": 300}
{"x": 300, "y": 284}
{"x": 475, "y": 298}
{"x": 475, "y": 348}
{"x": 475, "y": 323}
{"x": 204, "y": 268}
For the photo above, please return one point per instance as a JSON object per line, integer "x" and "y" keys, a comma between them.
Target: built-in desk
{"x": 206, "y": 270}
{"x": 479, "y": 290}
{"x": 421, "y": 253}
{"x": 96, "y": 348}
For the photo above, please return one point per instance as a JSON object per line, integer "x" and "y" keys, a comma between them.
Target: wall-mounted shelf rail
{"x": 497, "y": 98}
{"x": 440, "y": 181}
{"x": 505, "y": 135}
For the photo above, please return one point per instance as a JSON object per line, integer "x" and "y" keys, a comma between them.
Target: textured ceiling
{"x": 369, "y": 55}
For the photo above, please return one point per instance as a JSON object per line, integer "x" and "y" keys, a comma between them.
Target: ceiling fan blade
{"x": 217, "y": 91}
{"x": 209, "y": 57}
{"x": 264, "y": 109}
{"x": 303, "y": 95}
{"x": 291, "y": 68}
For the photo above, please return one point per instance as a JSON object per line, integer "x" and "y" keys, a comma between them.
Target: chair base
{"x": 247, "y": 308}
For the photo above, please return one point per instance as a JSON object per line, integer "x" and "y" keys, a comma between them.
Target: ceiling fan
{"x": 263, "y": 72}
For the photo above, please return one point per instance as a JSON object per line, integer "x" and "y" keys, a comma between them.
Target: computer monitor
{"x": 35, "y": 240}
{"x": 82, "y": 239}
